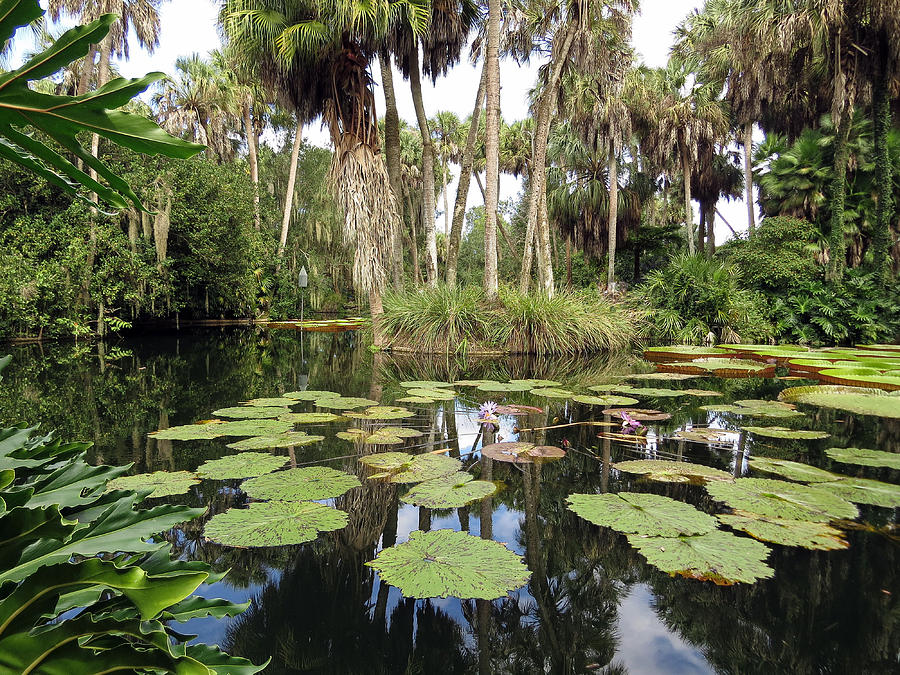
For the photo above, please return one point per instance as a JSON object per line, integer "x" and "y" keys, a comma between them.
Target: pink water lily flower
{"x": 629, "y": 424}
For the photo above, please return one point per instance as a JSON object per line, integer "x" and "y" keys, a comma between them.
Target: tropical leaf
{"x": 784, "y": 432}
{"x": 312, "y": 395}
{"x": 252, "y": 428}
{"x": 534, "y": 383}
{"x": 503, "y": 387}
{"x": 816, "y": 536}
{"x": 163, "y": 483}
{"x": 310, "y": 418}
{"x": 276, "y": 523}
{"x": 249, "y": 412}
{"x": 427, "y": 467}
{"x": 241, "y": 465}
{"x": 551, "y": 392}
{"x": 673, "y": 472}
{"x": 451, "y": 491}
{"x": 307, "y": 483}
{"x": 873, "y": 402}
{"x": 288, "y": 439}
{"x": 705, "y": 435}
{"x": 796, "y": 471}
{"x": 754, "y": 408}
{"x": 276, "y": 402}
{"x": 75, "y": 483}
{"x": 188, "y": 432}
{"x": 642, "y": 414}
{"x": 344, "y": 402}
{"x": 387, "y": 461}
{"x": 865, "y": 457}
{"x": 780, "y": 499}
{"x": 605, "y": 400}
{"x": 865, "y": 491}
{"x": 444, "y": 563}
{"x": 382, "y": 412}
{"x": 642, "y": 513}
{"x": 433, "y": 394}
{"x": 672, "y": 377}
{"x": 521, "y": 452}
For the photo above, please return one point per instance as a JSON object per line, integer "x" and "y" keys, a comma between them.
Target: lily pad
{"x": 470, "y": 383}
{"x": 783, "y": 432}
{"x": 382, "y": 412}
{"x": 241, "y": 465}
{"x": 427, "y": 467}
{"x": 415, "y": 399}
{"x": 188, "y": 432}
{"x": 387, "y": 461}
{"x": 755, "y": 408}
{"x": 344, "y": 402}
{"x": 353, "y": 435}
{"x": 274, "y": 524}
{"x": 307, "y": 483}
{"x": 447, "y": 492}
{"x": 865, "y": 457}
{"x": 866, "y": 491}
{"x": 253, "y": 428}
{"x": 605, "y": 400}
{"x": 445, "y": 563}
{"x": 383, "y": 436}
{"x": 533, "y": 383}
{"x": 852, "y": 399}
{"x": 780, "y": 499}
{"x": 514, "y": 409}
{"x": 641, "y": 414}
{"x": 163, "y": 483}
{"x": 310, "y": 418}
{"x": 503, "y": 386}
{"x": 312, "y": 395}
{"x": 652, "y": 392}
{"x": 796, "y": 471}
{"x": 425, "y": 384}
{"x": 521, "y": 452}
{"x": 433, "y": 394}
{"x": 816, "y": 536}
{"x": 717, "y": 556}
{"x": 701, "y": 393}
{"x": 552, "y": 392}
{"x": 279, "y": 402}
{"x": 288, "y": 439}
{"x": 673, "y": 472}
{"x": 247, "y": 412}
{"x": 705, "y": 435}
{"x": 640, "y": 513}
{"x": 720, "y": 368}
{"x": 673, "y": 377}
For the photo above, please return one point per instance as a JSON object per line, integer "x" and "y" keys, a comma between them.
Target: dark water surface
{"x": 592, "y": 603}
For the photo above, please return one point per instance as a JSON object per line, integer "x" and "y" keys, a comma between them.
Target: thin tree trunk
{"x": 837, "y": 244}
{"x": 544, "y": 257}
{"x": 377, "y": 310}
{"x": 415, "y": 85}
{"x": 465, "y": 177}
{"x": 701, "y": 229}
{"x": 727, "y": 224}
{"x": 881, "y": 111}
{"x": 568, "y": 261}
{"x": 446, "y": 213}
{"x": 748, "y": 178}
{"x": 84, "y": 81}
{"x": 392, "y": 159}
{"x": 289, "y": 193}
{"x": 711, "y": 229}
{"x": 688, "y": 210}
{"x": 414, "y": 246}
{"x": 612, "y": 224}
{"x": 492, "y": 149}
{"x": 254, "y": 162}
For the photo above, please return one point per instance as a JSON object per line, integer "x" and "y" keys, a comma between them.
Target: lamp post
{"x": 302, "y": 282}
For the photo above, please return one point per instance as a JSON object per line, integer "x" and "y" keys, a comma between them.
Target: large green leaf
{"x": 756, "y": 408}
{"x": 716, "y": 556}
{"x": 196, "y": 607}
{"x": 803, "y": 533}
{"x": 551, "y": 392}
{"x": 605, "y": 400}
{"x": 249, "y": 412}
{"x": 784, "y": 432}
{"x": 163, "y": 483}
{"x": 307, "y": 483}
{"x": 22, "y": 526}
{"x": 241, "y": 465}
{"x": 642, "y": 513}
{"x": 426, "y": 467}
{"x": 865, "y": 491}
{"x": 287, "y": 439}
{"x": 344, "y": 403}
{"x": 852, "y": 399}
{"x": 503, "y": 387}
{"x": 521, "y": 452}
{"x": 276, "y": 402}
{"x": 188, "y": 432}
{"x": 865, "y": 457}
{"x": 780, "y": 499}
{"x": 444, "y": 563}
{"x": 252, "y": 428}
{"x": 433, "y": 394}
{"x": 310, "y": 418}
{"x": 73, "y": 484}
{"x": 451, "y": 491}
{"x": 277, "y": 523}
{"x": 381, "y": 412}
{"x": 673, "y": 472}
{"x": 797, "y": 471}
{"x": 387, "y": 461}
{"x": 312, "y": 395}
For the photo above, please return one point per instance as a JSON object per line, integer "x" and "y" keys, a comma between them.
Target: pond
{"x": 589, "y": 601}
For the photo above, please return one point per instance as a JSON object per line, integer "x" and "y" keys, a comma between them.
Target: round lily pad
{"x": 720, "y": 368}
{"x": 672, "y": 377}
{"x": 383, "y": 436}
{"x": 188, "y": 432}
{"x": 253, "y": 428}
{"x": 387, "y": 461}
{"x": 241, "y": 465}
{"x": 552, "y": 392}
{"x": 640, "y": 513}
{"x": 796, "y": 471}
{"x": 445, "y": 563}
{"x": 279, "y": 402}
{"x": 353, "y": 435}
{"x": 312, "y": 395}
{"x": 451, "y": 491}
{"x": 700, "y": 393}
{"x": 651, "y": 392}
{"x": 533, "y": 383}
{"x": 163, "y": 483}
{"x": 802, "y": 533}
{"x": 781, "y": 499}
{"x": 681, "y": 352}
{"x": 425, "y": 384}
{"x": 307, "y": 483}
{"x": 382, "y": 412}
{"x": 605, "y": 400}
{"x": 521, "y": 452}
{"x": 344, "y": 402}
{"x": 754, "y": 408}
{"x": 427, "y": 467}
{"x": 783, "y": 432}
{"x": 288, "y": 439}
{"x": 673, "y": 472}
{"x": 470, "y": 383}
{"x": 415, "y": 399}
{"x": 496, "y": 387}
{"x": 716, "y": 556}
{"x": 310, "y": 418}
{"x": 704, "y": 435}
{"x": 865, "y": 457}
{"x": 641, "y": 414}
{"x": 247, "y": 412}
{"x": 518, "y": 410}
{"x": 852, "y": 399}
{"x": 433, "y": 394}
{"x": 866, "y": 491}
{"x": 273, "y": 524}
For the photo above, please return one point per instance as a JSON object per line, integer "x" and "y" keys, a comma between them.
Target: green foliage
{"x": 816, "y": 536}
{"x": 277, "y": 523}
{"x": 645, "y": 514}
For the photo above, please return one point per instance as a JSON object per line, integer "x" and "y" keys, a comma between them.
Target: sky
{"x": 190, "y": 26}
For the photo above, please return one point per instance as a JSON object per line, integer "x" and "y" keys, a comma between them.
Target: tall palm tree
{"x": 316, "y": 55}
{"x": 445, "y": 131}
{"x": 492, "y": 148}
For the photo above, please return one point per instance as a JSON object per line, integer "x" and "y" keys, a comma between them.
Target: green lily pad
{"x": 433, "y": 394}
{"x": 700, "y": 393}
{"x": 802, "y": 533}
{"x": 354, "y": 435}
{"x": 308, "y": 483}
{"x": 641, "y": 414}
{"x": 780, "y": 499}
{"x": 717, "y": 556}
{"x": 533, "y": 383}
{"x": 605, "y": 400}
{"x": 387, "y": 461}
{"x": 796, "y": 471}
{"x": 344, "y": 402}
{"x": 427, "y": 467}
{"x": 253, "y": 428}
{"x": 640, "y": 513}
{"x": 274, "y": 524}
{"x": 163, "y": 483}
{"x": 652, "y": 392}
{"x": 552, "y": 392}
{"x": 383, "y": 436}
{"x": 382, "y": 412}
{"x": 451, "y": 491}
{"x": 705, "y": 435}
{"x": 415, "y": 399}
{"x": 279, "y": 402}
{"x": 673, "y": 472}
{"x": 783, "y": 432}
{"x": 445, "y": 563}
{"x": 521, "y": 452}
{"x": 681, "y": 351}
{"x": 672, "y": 377}
{"x": 188, "y": 432}
{"x": 754, "y": 408}
{"x": 241, "y": 465}
{"x": 866, "y": 491}
{"x": 288, "y": 439}
{"x": 425, "y": 384}
{"x": 312, "y": 395}
{"x": 721, "y": 367}
{"x": 310, "y": 418}
{"x": 470, "y": 383}
{"x": 865, "y": 457}
{"x": 247, "y": 412}
{"x": 498, "y": 387}
{"x": 852, "y": 399}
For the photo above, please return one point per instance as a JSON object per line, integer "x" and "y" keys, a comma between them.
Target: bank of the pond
{"x": 461, "y": 320}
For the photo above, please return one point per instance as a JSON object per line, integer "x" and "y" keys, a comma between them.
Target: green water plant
{"x": 642, "y": 513}
{"x": 673, "y": 472}
{"x": 800, "y": 533}
{"x": 781, "y": 499}
{"x": 860, "y": 401}
{"x": 784, "y": 432}
{"x": 451, "y": 491}
{"x": 866, "y": 491}
{"x": 275, "y": 523}
{"x": 865, "y": 457}
{"x": 241, "y": 465}
{"x": 248, "y": 412}
{"x": 303, "y": 484}
{"x": 286, "y": 439}
{"x": 795, "y": 471}
{"x": 161, "y": 483}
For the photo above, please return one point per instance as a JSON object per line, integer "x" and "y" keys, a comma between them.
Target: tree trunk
{"x": 392, "y": 159}
{"x": 568, "y": 262}
{"x": 701, "y": 229}
{"x": 289, "y": 193}
{"x": 688, "y": 211}
{"x": 492, "y": 149}
{"x": 84, "y": 81}
{"x": 462, "y": 190}
{"x": 377, "y": 310}
{"x": 544, "y": 257}
{"x": 254, "y": 161}
{"x": 881, "y": 111}
{"x": 837, "y": 244}
{"x": 415, "y": 85}
{"x": 612, "y": 224}
{"x": 414, "y": 241}
{"x": 711, "y": 229}
{"x": 748, "y": 178}
{"x": 444, "y": 169}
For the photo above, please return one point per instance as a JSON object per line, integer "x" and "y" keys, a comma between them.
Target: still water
{"x": 592, "y": 604}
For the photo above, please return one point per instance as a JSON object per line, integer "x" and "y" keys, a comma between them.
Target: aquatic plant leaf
{"x": 383, "y": 436}
{"x": 288, "y": 439}
{"x": 717, "y": 556}
{"x": 802, "y": 533}
{"x": 516, "y": 409}
{"x": 780, "y": 499}
{"x": 445, "y": 563}
{"x": 674, "y": 377}
{"x": 188, "y": 432}
{"x": 533, "y": 383}
{"x": 310, "y": 418}
{"x": 415, "y": 399}
{"x": 427, "y": 467}
{"x": 652, "y": 392}
{"x": 163, "y": 483}
{"x": 273, "y": 524}
{"x": 852, "y": 399}
{"x": 433, "y": 394}
{"x": 387, "y": 461}
{"x": 353, "y": 435}
{"x": 344, "y": 402}
{"x": 552, "y": 392}
{"x": 605, "y": 400}
{"x": 253, "y": 428}
{"x": 718, "y": 366}
{"x": 425, "y": 384}
{"x": 701, "y": 393}
{"x": 865, "y": 491}
{"x": 448, "y": 492}
{"x": 673, "y": 472}
{"x": 783, "y": 432}
{"x": 276, "y": 402}
{"x": 382, "y": 412}
{"x": 241, "y": 465}
{"x": 756, "y": 408}
{"x": 312, "y": 395}
{"x": 641, "y": 414}
{"x": 640, "y": 513}
{"x": 308, "y": 483}
{"x": 248, "y": 412}
{"x": 705, "y": 435}
{"x": 796, "y": 471}
{"x": 470, "y": 383}
{"x": 865, "y": 457}
{"x": 503, "y": 386}
{"x": 686, "y": 351}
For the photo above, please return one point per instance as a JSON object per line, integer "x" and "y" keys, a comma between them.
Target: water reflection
{"x": 591, "y": 605}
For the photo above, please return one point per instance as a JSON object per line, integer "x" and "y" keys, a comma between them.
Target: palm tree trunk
{"x": 392, "y": 158}
{"x": 701, "y": 229}
{"x": 254, "y": 161}
{"x": 415, "y": 85}
{"x": 377, "y": 311}
{"x": 568, "y": 262}
{"x": 414, "y": 240}
{"x": 444, "y": 170}
{"x": 612, "y": 224}
{"x": 688, "y": 210}
{"x": 492, "y": 149}
{"x": 748, "y": 178}
{"x": 711, "y": 228}
{"x": 462, "y": 190}
{"x": 289, "y": 193}
{"x": 87, "y": 69}
{"x": 881, "y": 110}
{"x": 544, "y": 257}
{"x": 837, "y": 244}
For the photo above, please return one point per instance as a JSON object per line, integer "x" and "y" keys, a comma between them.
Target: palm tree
{"x": 445, "y": 130}
{"x": 717, "y": 177}
{"x": 316, "y": 54}
{"x": 492, "y": 148}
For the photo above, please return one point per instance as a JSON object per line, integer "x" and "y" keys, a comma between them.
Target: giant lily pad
{"x": 498, "y": 387}
{"x": 671, "y": 377}
{"x": 274, "y": 524}
{"x": 415, "y": 399}
{"x": 605, "y": 400}
{"x": 865, "y": 491}
{"x": 852, "y": 399}
{"x": 425, "y": 384}
{"x": 344, "y": 402}
{"x": 312, "y": 395}
{"x": 652, "y": 392}
{"x": 310, "y": 418}
{"x": 278, "y": 402}
{"x": 249, "y": 412}
{"x": 716, "y": 556}
{"x": 451, "y": 491}
{"x": 552, "y": 392}
{"x": 307, "y": 483}
{"x": 755, "y": 408}
{"x": 288, "y": 439}
{"x": 433, "y": 394}
{"x": 520, "y": 410}
{"x": 681, "y": 352}
{"x": 387, "y": 461}
{"x": 817, "y": 536}
{"x": 383, "y": 436}
{"x": 860, "y": 377}
{"x": 865, "y": 457}
{"x": 720, "y": 367}
{"x": 163, "y": 483}
{"x": 241, "y": 465}
{"x": 521, "y": 452}
{"x": 783, "y": 432}
{"x": 381, "y": 412}
{"x": 642, "y": 414}
{"x": 673, "y": 472}
{"x": 640, "y": 513}
{"x": 427, "y": 467}
{"x": 705, "y": 435}
{"x": 533, "y": 383}
{"x": 188, "y": 432}
{"x": 444, "y": 563}
{"x": 796, "y": 471}
{"x": 253, "y": 428}
{"x": 780, "y": 499}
